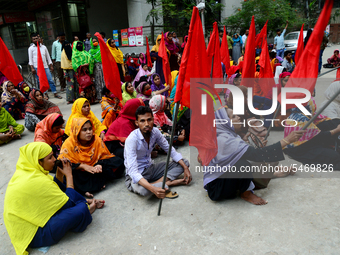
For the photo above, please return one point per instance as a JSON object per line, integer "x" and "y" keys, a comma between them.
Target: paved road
{"x": 300, "y": 218}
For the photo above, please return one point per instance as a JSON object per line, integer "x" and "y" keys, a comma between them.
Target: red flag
{"x": 310, "y": 57}
{"x": 224, "y": 51}
{"x": 213, "y": 52}
{"x": 148, "y": 52}
{"x": 162, "y": 52}
{"x": 259, "y": 39}
{"x": 110, "y": 68}
{"x": 300, "y": 46}
{"x": 266, "y": 72}
{"x": 195, "y": 65}
{"x": 8, "y": 66}
{"x": 41, "y": 72}
{"x": 249, "y": 57}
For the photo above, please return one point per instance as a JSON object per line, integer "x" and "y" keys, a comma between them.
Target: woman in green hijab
{"x": 98, "y": 67}
{"x": 9, "y": 129}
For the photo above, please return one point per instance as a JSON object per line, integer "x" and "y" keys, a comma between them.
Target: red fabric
{"x": 300, "y": 47}
{"x": 224, "y": 51}
{"x": 110, "y": 69}
{"x": 213, "y": 51}
{"x": 233, "y": 69}
{"x": 148, "y": 52}
{"x": 121, "y": 128}
{"x": 248, "y": 68}
{"x": 338, "y": 74}
{"x": 8, "y": 66}
{"x": 266, "y": 76}
{"x": 195, "y": 65}
{"x": 41, "y": 72}
{"x": 261, "y": 37}
{"x": 310, "y": 57}
{"x": 162, "y": 52}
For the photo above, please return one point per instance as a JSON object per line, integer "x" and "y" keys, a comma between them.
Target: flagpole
{"x": 322, "y": 74}
{"x": 174, "y": 122}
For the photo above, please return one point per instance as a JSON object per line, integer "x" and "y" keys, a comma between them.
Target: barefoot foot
{"x": 252, "y": 198}
{"x": 93, "y": 207}
{"x": 283, "y": 172}
{"x": 88, "y": 194}
{"x": 99, "y": 203}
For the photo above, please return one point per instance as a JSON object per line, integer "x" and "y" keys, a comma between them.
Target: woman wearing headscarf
{"x": 334, "y": 59}
{"x": 49, "y": 131}
{"x": 24, "y": 89}
{"x": 142, "y": 59}
{"x": 72, "y": 89}
{"x": 158, "y": 104}
{"x": 234, "y": 153}
{"x": 234, "y": 79}
{"x": 53, "y": 208}
{"x": 184, "y": 42}
{"x": 118, "y": 56}
{"x": 333, "y": 109}
{"x": 111, "y": 107}
{"x": 157, "y": 85}
{"x": 81, "y": 109}
{"x": 132, "y": 66}
{"x": 155, "y": 57}
{"x": 37, "y": 109}
{"x": 237, "y": 47}
{"x": 92, "y": 163}
{"x": 13, "y": 101}
{"x": 9, "y": 128}
{"x": 316, "y": 146}
{"x": 116, "y": 135}
{"x": 172, "y": 48}
{"x": 98, "y": 67}
{"x": 143, "y": 72}
{"x": 144, "y": 92}
{"x": 128, "y": 92}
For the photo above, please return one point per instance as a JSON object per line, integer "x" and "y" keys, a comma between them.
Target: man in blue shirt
{"x": 279, "y": 41}
{"x": 56, "y": 59}
{"x": 142, "y": 175}
{"x": 87, "y": 42}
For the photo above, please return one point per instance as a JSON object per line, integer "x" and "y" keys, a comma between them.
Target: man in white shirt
{"x": 33, "y": 62}
{"x": 244, "y": 38}
{"x": 56, "y": 59}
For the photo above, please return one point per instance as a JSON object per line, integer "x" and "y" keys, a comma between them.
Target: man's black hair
{"x": 141, "y": 110}
{"x": 278, "y": 30}
{"x": 61, "y": 34}
{"x": 34, "y": 34}
{"x": 287, "y": 52}
{"x": 102, "y": 34}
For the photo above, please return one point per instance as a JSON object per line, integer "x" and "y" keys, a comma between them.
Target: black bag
{"x": 327, "y": 66}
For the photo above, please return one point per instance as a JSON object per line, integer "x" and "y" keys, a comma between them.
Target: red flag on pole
{"x": 162, "y": 52}
{"x": 248, "y": 69}
{"x": 224, "y": 51}
{"x": 195, "y": 65}
{"x": 41, "y": 72}
{"x": 148, "y": 52}
{"x": 300, "y": 46}
{"x": 268, "y": 82}
{"x": 213, "y": 52}
{"x": 110, "y": 68}
{"x": 8, "y": 66}
{"x": 259, "y": 39}
{"x": 311, "y": 56}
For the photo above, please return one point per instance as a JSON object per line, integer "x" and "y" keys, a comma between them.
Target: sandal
{"x": 171, "y": 195}
{"x": 57, "y": 96}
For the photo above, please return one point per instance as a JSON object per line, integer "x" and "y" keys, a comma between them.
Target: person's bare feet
{"x": 283, "y": 172}
{"x": 252, "y": 198}
{"x": 176, "y": 182}
{"x": 88, "y": 194}
{"x": 93, "y": 206}
{"x": 99, "y": 203}
{"x": 16, "y": 137}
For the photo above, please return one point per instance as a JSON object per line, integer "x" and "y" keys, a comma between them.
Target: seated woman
{"x": 92, "y": 163}
{"x": 315, "y": 146}
{"x": 54, "y": 208}
{"x": 13, "y": 101}
{"x": 49, "y": 131}
{"x": 81, "y": 108}
{"x": 111, "y": 106}
{"x": 128, "y": 92}
{"x": 37, "y": 109}
{"x": 121, "y": 128}
{"x": 25, "y": 90}
{"x": 144, "y": 92}
{"x": 157, "y": 85}
{"x": 233, "y": 152}
{"x": 9, "y": 129}
{"x": 143, "y": 72}
{"x": 334, "y": 59}
{"x": 333, "y": 109}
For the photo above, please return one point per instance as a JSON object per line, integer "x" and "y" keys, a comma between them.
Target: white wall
{"x": 229, "y": 6}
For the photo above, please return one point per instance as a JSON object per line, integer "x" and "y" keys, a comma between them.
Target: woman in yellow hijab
{"x": 119, "y": 57}
{"x": 39, "y": 210}
{"x": 92, "y": 163}
{"x": 81, "y": 108}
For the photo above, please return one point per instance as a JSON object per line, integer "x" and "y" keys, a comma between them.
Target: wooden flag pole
{"x": 169, "y": 152}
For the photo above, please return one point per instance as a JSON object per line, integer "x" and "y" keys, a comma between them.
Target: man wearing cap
{"x": 279, "y": 43}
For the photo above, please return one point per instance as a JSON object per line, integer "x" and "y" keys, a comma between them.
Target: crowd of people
{"x": 90, "y": 151}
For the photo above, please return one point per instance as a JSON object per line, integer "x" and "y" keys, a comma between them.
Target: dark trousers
{"x": 60, "y": 72}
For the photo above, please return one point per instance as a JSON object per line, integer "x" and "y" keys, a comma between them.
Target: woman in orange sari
{"x": 92, "y": 163}
{"x": 111, "y": 106}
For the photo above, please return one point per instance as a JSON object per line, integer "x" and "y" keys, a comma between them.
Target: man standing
{"x": 87, "y": 42}
{"x": 56, "y": 58}
{"x": 142, "y": 175}
{"x": 279, "y": 41}
{"x": 33, "y": 62}
{"x": 244, "y": 38}
{"x": 230, "y": 44}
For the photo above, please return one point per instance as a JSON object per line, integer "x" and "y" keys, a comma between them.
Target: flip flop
{"x": 171, "y": 195}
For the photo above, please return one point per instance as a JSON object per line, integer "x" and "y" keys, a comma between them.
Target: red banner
{"x": 19, "y": 17}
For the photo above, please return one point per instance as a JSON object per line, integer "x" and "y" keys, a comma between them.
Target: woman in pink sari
{"x": 143, "y": 72}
